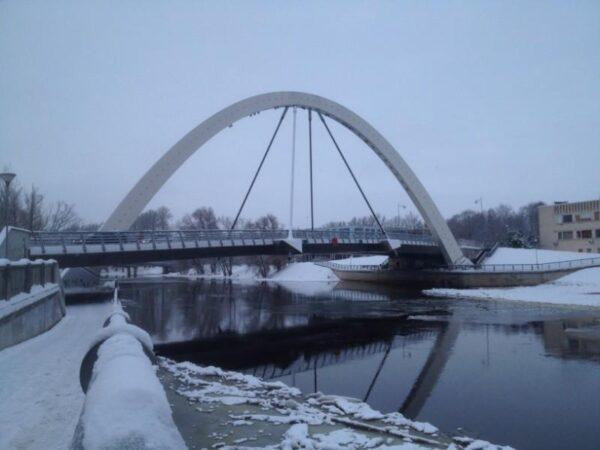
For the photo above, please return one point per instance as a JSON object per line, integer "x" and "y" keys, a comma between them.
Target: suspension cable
{"x": 293, "y": 171}
{"x": 259, "y": 167}
{"x": 352, "y": 174}
{"x": 310, "y": 159}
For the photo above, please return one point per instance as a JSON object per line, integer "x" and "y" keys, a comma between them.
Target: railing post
{"x": 43, "y": 245}
{"x": 168, "y": 240}
{"x": 83, "y": 243}
{"x": 120, "y": 241}
{"x": 62, "y": 240}
{"x": 102, "y": 242}
{"x": 182, "y": 241}
{"x": 153, "y": 240}
{"x": 43, "y": 274}
{"x": 6, "y": 276}
{"x": 27, "y": 278}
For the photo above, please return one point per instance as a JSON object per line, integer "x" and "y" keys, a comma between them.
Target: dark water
{"x": 506, "y": 372}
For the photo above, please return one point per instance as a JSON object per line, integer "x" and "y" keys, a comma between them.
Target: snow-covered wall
{"x": 30, "y": 314}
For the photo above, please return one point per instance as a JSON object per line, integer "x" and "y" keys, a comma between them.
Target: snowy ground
{"x": 40, "y": 395}
{"x": 578, "y": 288}
{"x": 294, "y": 272}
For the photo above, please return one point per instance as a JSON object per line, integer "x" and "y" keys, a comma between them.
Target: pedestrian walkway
{"x": 39, "y": 382}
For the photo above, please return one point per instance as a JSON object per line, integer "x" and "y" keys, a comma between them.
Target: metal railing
{"x": 183, "y": 238}
{"x": 190, "y": 238}
{"x": 539, "y": 267}
{"x": 352, "y": 267}
{"x": 20, "y": 276}
{"x": 573, "y": 264}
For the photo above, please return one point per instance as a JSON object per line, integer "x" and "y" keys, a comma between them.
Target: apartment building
{"x": 570, "y": 226}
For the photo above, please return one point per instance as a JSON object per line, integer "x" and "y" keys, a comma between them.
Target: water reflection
{"x": 500, "y": 370}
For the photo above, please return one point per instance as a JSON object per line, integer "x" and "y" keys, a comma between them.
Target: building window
{"x": 589, "y": 250}
{"x": 565, "y": 235}
{"x": 596, "y": 215}
{"x": 584, "y": 234}
{"x": 584, "y": 216}
{"x": 567, "y": 218}
{"x": 598, "y": 233}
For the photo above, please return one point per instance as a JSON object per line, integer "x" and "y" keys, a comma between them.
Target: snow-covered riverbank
{"x": 243, "y": 411}
{"x": 293, "y": 272}
{"x": 578, "y": 288}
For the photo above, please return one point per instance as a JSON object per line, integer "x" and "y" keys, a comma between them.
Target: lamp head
{"x": 7, "y": 177}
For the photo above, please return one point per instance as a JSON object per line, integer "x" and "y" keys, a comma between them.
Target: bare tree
{"x": 36, "y": 219}
{"x": 62, "y": 216}
{"x": 201, "y": 219}
{"x": 153, "y": 219}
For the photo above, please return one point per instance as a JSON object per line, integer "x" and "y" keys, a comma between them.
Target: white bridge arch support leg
{"x": 141, "y": 194}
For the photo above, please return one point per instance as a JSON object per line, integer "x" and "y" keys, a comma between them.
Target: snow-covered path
{"x": 40, "y": 396}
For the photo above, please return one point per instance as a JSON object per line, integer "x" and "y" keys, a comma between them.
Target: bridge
{"x": 113, "y": 244}
{"x": 105, "y": 248}
{"x": 142, "y": 193}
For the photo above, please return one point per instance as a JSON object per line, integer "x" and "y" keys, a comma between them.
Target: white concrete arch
{"x": 137, "y": 199}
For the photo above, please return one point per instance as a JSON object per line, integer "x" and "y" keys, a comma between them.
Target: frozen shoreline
{"x": 581, "y": 288}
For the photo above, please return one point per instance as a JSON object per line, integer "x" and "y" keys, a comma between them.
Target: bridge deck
{"x": 104, "y": 248}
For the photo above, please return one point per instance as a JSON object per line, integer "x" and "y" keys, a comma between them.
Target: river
{"x": 508, "y": 372}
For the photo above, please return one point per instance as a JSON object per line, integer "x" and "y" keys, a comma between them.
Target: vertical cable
{"x": 310, "y": 159}
{"x": 293, "y": 169}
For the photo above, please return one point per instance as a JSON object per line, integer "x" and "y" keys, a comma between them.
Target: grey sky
{"x": 499, "y": 100}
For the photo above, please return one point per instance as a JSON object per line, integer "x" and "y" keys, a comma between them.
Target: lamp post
{"x": 398, "y": 216}
{"x": 7, "y": 177}
{"x": 480, "y": 201}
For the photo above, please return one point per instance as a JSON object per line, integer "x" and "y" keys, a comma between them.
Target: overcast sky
{"x": 499, "y": 100}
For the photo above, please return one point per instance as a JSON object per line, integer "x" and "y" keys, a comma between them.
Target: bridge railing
{"x": 183, "y": 238}
{"x": 539, "y": 267}
{"x": 18, "y": 277}
{"x": 65, "y": 239}
{"x": 351, "y": 267}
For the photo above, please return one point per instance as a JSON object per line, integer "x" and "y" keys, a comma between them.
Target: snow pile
{"x": 126, "y": 406}
{"x": 578, "y": 288}
{"x": 304, "y": 271}
{"x": 505, "y": 255}
{"x": 276, "y": 403}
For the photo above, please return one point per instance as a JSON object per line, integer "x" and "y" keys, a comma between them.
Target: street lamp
{"x": 398, "y": 216}
{"x": 480, "y": 201}
{"x": 7, "y": 177}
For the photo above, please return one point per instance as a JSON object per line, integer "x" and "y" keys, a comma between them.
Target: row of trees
{"x": 502, "y": 224}
{"x": 28, "y": 209}
{"x": 200, "y": 219}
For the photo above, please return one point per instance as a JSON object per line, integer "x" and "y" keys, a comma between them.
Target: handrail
{"x": 537, "y": 267}
{"x": 509, "y": 268}
{"x": 46, "y": 239}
